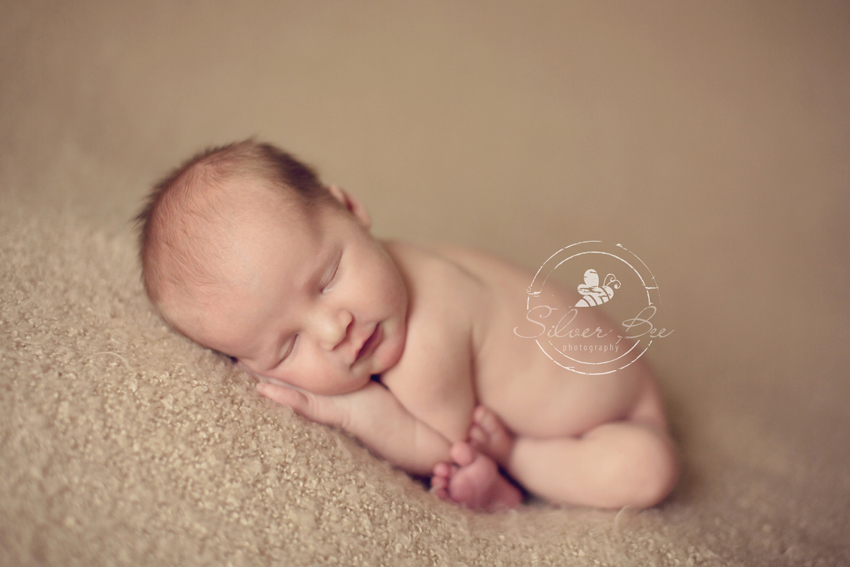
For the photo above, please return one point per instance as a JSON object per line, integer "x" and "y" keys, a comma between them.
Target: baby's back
{"x": 514, "y": 377}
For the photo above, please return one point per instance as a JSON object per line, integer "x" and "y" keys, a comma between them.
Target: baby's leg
{"x": 622, "y": 463}
{"x": 490, "y": 436}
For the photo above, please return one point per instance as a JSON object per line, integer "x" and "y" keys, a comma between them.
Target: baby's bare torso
{"x": 462, "y": 350}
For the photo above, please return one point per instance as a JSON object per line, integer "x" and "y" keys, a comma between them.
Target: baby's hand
{"x": 329, "y": 410}
{"x": 376, "y": 418}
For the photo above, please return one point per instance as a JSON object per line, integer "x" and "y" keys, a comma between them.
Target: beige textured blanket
{"x": 711, "y": 139}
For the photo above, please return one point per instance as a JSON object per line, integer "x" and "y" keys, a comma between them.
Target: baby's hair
{"x": 190, "y": 196}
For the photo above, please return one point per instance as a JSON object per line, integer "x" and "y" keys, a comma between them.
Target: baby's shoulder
{"x": 498, "y": 274}
{"x": 443, "y": 290}
{"x": 465, "y": 270}
{"x": 434, "y": 269}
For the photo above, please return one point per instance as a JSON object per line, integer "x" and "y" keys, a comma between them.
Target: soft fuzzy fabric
{"x": 712, "y": 139}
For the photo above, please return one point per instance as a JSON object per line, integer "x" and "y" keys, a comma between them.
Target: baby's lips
{"x": 368, "y": 346}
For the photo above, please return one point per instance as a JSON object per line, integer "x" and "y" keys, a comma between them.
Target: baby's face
{"x": 314, "y": 302}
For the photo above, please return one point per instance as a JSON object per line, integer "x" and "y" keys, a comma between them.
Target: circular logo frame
{"x": 627, "y": 344}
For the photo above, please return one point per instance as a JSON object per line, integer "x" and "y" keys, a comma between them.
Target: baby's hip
{"x": 558, "y": 402}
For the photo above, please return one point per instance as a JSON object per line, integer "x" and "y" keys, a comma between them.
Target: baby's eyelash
{"x": 288, "y": 352}
{"x": 332, "y": 279}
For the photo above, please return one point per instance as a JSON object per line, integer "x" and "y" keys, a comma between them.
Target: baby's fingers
{"x": 313, "y": 407}
{"x": 283, "y": 396}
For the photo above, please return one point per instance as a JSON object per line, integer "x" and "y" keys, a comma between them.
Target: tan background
{"x": 710, "y": 138}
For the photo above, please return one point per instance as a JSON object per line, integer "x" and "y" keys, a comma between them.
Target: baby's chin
{"x": 390, "y": 350}
{"x": 341, "y": 388}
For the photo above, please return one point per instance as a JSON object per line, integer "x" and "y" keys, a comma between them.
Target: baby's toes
{"x": 478, "y": 437}
{"x": 442, "y": 470}
{"x": 463, "y": 453}
{"x": 442, "y": 493}
{"x": 490, "y": 436}
{"x": 442, "y": 474}
{"x": 440, "y": 479}
{"x": 488, "y": 421}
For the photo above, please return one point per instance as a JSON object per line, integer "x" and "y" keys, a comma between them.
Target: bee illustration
{"x": 593, "y": 294}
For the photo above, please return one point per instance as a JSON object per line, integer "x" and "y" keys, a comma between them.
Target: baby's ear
{"x": 351, "y": 203}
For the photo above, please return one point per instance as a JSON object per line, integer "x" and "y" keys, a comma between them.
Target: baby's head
{"x": 246, "y": 252}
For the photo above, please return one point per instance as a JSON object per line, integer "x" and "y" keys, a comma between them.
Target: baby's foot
{"x": 489, "y": 435}
{"x": 476, "y": 482}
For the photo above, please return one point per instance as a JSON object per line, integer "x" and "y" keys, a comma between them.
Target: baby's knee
{"x": 643, "y": 469}
{"x": 655, "y": 469}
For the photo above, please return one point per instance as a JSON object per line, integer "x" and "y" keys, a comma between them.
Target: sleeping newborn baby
{"x": 409, "y": 348}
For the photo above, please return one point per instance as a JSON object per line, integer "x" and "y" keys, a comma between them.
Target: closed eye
{"x": 332, "y": 277}
{"x": 290, "y": 349}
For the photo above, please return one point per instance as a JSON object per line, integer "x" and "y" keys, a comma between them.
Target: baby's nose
{"x": 332, "y": 330}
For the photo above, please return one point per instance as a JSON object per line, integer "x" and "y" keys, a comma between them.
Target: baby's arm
{"x": 376, "y": 418}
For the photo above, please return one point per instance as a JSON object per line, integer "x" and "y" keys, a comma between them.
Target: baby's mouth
{"x": 370, "y": 344}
